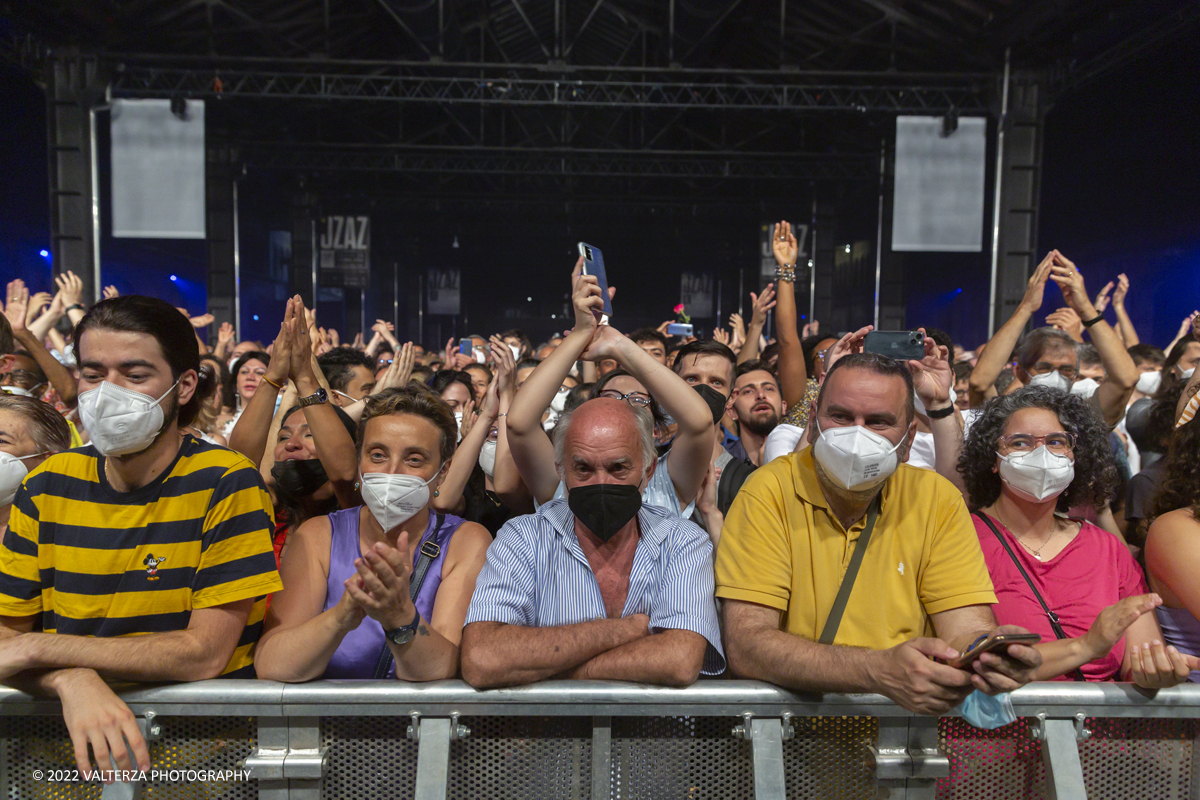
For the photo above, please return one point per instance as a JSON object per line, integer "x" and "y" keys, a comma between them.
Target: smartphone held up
{"x": 593, "y": 264}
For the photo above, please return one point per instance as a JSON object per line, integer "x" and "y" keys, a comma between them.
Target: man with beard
{"x": 757, "y": 406}
{"x": 145, "y": 556}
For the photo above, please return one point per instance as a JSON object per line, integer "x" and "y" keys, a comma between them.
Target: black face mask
{"x": 604, "y": 508}
{"x": 295, "y": 480}
{"x": 716, "y": 401}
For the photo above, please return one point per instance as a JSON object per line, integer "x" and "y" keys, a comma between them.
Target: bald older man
{"x": 596, "y": 586}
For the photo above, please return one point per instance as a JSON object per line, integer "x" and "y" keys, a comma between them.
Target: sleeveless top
{"x": 359, "y": 651}
{"x": 1181, "y": 629}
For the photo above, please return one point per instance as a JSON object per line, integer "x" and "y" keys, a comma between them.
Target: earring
{"x": 357, "y": 486}
{"x": 436, "y": 492}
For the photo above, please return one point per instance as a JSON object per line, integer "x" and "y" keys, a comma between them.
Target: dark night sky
{"x": 1119, "y": 193}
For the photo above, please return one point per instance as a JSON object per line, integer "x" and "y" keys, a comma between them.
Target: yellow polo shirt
{"x": 783, "y": 548}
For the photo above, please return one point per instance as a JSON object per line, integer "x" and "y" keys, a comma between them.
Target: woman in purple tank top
{"x": 382, "y": 589}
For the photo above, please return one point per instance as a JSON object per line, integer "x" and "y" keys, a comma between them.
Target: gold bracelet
{"x": 273, "y": 383}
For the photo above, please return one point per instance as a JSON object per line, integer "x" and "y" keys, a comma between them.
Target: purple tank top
{"x": 359, "y": 651}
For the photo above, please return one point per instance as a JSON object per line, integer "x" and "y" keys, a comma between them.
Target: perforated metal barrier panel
{"x": 34, "y": 749}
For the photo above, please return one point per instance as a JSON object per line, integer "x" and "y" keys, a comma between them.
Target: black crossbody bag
{"x": 1050, "y": 615}
{"x": 834, "y": 620}
{"x": 429, "y": 551}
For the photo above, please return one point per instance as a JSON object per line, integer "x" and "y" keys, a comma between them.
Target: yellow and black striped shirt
{"x": 97, "y": 562}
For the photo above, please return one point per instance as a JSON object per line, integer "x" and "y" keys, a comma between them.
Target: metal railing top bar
{"x": 593, "y": 698}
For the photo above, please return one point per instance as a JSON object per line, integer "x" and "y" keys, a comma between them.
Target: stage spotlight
{"x": 44, "y": 253}
{"x": 174, "y": 278}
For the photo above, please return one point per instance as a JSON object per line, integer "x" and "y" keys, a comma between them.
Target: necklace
{"x": 1036, "y": 553}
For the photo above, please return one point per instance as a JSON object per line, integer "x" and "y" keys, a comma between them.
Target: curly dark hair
{"x": 1095, "y": 471}
{"x": 1181, "y": 486}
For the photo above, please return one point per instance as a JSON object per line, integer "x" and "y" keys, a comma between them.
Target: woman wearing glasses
{"x": 1029, "y": 457}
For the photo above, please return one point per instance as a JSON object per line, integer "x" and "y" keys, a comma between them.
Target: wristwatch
{"x": 405, "y": 633}
{"x": 315, "y": 399}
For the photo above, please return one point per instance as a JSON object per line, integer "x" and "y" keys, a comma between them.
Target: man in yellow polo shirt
{"x": 793, "y": 529}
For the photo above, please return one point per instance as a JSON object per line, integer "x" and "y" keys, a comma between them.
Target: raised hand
{"x": 1068, "y": 321}
{"x": 719, "y": 335}
{"x": 469, "y": 418}
{"x": 932, "y": 375}
{"x": 37, "y": 304}
{"x": 1122, "y": 290}
{"x": 1070, "y": 281}
{"x": 662, "y": 328}
{"x": 810, "y": 329}
{"x": 281, "y": 349}
{"x": 783, "y": 245}
{"x": 225, "y": 334}
{"x": 586, "y": 299}
{"x": 738, "y": 327}
{"x": 16, "y": 309}
{"x": 71, "y": 287}
{"x": 505, "y": 366}
{"x": 398, "y": 373}
{"x": 333, "y": 338}
{"x": 604, "y": 344}
{"x": 1101, "y": 301}
{"x": 762, "y": 304}
{"x": 301, "y": 365}
{"x": 1036, "y": 288}
{"x": 201, "y": 321}
{"x": 850, "y": 343}
{"x": 111, "y": 292}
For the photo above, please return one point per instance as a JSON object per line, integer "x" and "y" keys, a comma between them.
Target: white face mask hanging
{"x": 487, "y": 458}
{"x": 119, "y": 420}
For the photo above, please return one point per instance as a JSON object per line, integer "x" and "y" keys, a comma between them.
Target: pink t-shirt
{"x": 1091, "y": 573}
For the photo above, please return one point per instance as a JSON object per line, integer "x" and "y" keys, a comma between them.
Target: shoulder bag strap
{"x": 843, "y": 596}
{"x": 430, "y": 550}
{"x": 1050, "y": 615}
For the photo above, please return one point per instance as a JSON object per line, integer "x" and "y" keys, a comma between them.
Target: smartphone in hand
{"x": 593, "y": 264}
{"x": 900, "y": 345}
{"x": 995, "y": 642}
{"x": 679, "y": 329}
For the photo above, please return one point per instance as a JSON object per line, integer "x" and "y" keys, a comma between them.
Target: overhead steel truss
{"x": 566, "y": 163}
{"x": 784, "y": 92}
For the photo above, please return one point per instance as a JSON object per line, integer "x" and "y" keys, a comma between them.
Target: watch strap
{"x": 316, "y": 398}
{"x": 939, "y": 413}
{"x": 1087, "y": 323}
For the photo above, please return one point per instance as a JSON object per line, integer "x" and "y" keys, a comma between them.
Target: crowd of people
{"x": 639, "y": 507}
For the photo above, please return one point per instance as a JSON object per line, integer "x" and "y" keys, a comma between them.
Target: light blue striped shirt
{"x": 537, "y": 576}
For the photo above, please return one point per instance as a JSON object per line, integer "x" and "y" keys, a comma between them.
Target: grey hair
{"x": 1039, "y": 341}
{"x": 645, "y": 430}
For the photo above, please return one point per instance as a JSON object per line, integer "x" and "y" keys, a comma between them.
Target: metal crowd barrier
{"x": 352, "y": 740}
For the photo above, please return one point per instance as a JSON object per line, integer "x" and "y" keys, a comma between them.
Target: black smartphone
{"x": 593, "y": 264}
{"x": 997, "y": 641}
{"x": 900, "y": 345}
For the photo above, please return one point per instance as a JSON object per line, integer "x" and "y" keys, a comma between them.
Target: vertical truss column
{"x": 1020, "y": 177}
{"x": 73, "y": 89}
{"x": 221, "y": 214}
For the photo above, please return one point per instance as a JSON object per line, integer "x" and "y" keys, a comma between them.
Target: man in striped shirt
{"x": 596, "y": 586}
{"x": 144, "y": 556}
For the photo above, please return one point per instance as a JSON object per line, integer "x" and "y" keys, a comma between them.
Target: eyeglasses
{"x": 25, "y": 379}
{"x": 1060, "y": 442}
{"x": 1066, "y": 370}
{"x": 638, "y": 399}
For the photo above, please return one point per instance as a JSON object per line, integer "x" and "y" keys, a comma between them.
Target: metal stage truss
{"x": 783, "y": 92}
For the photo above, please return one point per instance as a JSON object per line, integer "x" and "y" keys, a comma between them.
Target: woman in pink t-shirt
{"x": 1029, "y": 457}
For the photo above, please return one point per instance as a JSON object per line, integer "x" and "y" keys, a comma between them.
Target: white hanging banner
{"x": 158, "y": 170}
{"x": 939, "y": 186}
